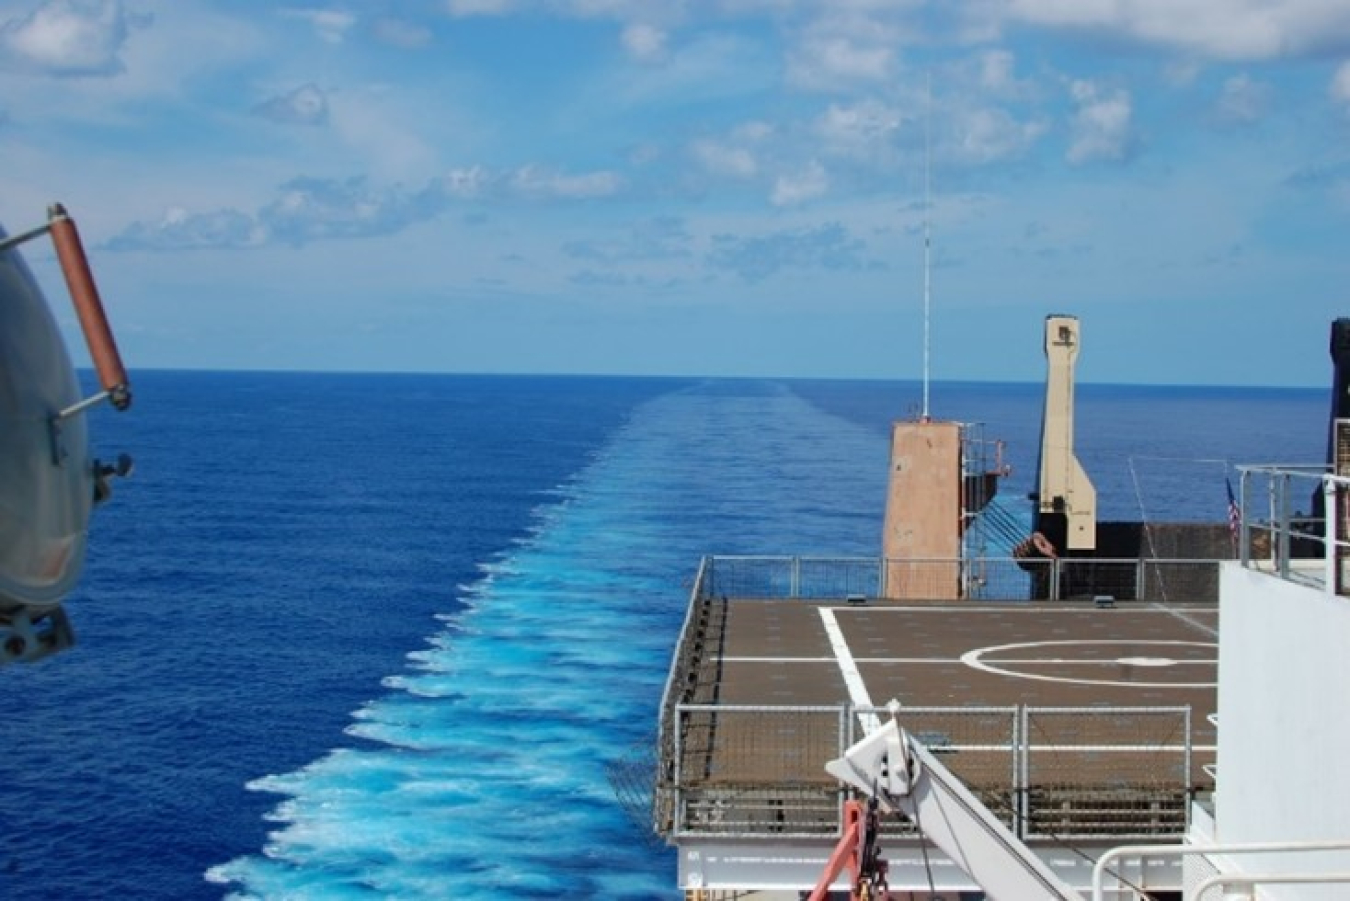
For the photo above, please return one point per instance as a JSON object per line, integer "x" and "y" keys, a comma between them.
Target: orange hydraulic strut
{"x": 845, "y": 853}
{"x": 84, "y": 294}
{"x": 858, "y": 851}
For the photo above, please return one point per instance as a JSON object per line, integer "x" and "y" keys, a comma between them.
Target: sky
{"x": 694, "y": 187}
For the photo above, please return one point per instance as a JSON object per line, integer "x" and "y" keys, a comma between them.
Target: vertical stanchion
{"x": 1333, "y": 539}
{"x": 1024, "y": 761}
{"x": 1018, "y": 788}
{"x": 1283, "y": 525}
{"x": 1244, "y": 542}
{"x": 1273, "y": 551}
{"x": 1186, "y": 766}
{"x": 678, "y": 813}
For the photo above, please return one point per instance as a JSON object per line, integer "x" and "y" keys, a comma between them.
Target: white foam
{"x": 481, "y": 771}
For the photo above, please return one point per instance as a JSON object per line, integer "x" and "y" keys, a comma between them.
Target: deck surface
{"x": 1022, "y": 657}
{"x": 922, "y": 655}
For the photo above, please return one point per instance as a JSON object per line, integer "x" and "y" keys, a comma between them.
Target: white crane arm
{"x": 903, "y": 775}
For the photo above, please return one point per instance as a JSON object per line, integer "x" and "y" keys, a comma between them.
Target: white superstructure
{"x": 1284, "y": 670}
{"x": 1278, "y": 827}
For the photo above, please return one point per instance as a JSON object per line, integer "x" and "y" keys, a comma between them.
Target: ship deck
{"x": 1066, "y": 718}
{"x": 967, "y": 654}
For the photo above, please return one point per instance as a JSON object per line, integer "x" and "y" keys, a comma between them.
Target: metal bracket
{"x": 75, "y": 409}
{"x": 25, "y": 637}
{"x": 22, "y": 237}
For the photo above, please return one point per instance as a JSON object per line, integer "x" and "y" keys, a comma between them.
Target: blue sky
{"x": 727, "y": 187}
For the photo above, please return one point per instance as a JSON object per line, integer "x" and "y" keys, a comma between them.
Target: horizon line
{"x": 85, "y": 370}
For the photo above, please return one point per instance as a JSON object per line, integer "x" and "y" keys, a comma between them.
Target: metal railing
{"x": 992, "y": 578}
{"x": 1093, "y": 771}
{"x": 752, "y": 771}
{"x": 789, "y": 578}
{"x": 1047, "y": 772}
{"x": 1295, "y": 524}
{"x": 1112, "y": 862}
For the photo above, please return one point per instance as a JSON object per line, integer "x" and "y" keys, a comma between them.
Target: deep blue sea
{"x": 376, "y": 636}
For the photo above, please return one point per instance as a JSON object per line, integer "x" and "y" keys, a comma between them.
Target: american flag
{"x": 1234, "y": 512}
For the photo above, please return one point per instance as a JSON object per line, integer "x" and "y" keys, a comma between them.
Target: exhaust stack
{"x": 1066, "y": 504}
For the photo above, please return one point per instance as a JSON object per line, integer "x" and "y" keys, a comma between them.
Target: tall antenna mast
{"x": 927, "y": 236}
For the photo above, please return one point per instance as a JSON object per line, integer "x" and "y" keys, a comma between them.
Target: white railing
{"x": 1295, "y": 524}
{"x": 987, "y": 578}
{"x": 1142, "y": 852}
{"x": 1083, "y": 773}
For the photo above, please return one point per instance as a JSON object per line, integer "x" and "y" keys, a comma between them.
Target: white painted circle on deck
{"x": 974, "y": 659}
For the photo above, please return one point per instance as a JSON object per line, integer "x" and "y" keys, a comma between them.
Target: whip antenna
{"x": 927, "y": 236}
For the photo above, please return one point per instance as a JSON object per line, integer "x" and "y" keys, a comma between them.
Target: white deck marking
{"x": 1122, "y": 661}
{"x": 1188, "y": 620}
{"x": 1095, "y": 749}
{"x": 1018, "y": 607}
{"x": 938, "y": 660}
{"x": 987, "y": 660}
{"x": 1002, "y": 661}
{"x": 848, "y": 668}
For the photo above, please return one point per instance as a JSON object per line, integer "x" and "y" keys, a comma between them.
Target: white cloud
{"x": 623, "y": 10}
{"x": 1101, "y": 127}
{"x": 331, "y": 25}
{"x": 811, "y": 182}
{"x": 826, "y": 62}
{"x": 1242, "y": 100}
{"x": 70, "y": 37}
{"x": 304, "y": 210}
{"x": 849, "y": 43}
{"x": 644, "y": 42}
{"x": 466, "y": 183}
{"x": 399, "y": 33}
{"x": 658, "y": 238}
{"x": 754, "y": 130}
{"x": 996, "y": 70}
{"x": 994, "y": 74}
{"x": 382, "y": 126}
{"x": 1181, "y": 74}
{"x": 530, "y": 182}
{"x": 464, "y": 8}
{"x": 735, "y": 156}
{"x": 1340, "y": 84}
{"x": 1222, "y": 29}
{"x": 861, "y": 130}
{"x": 827, "y": 247}
{"x": 306, "y": 105}
{"x": 714, "y": 65}
{"x": 180, "y": 230}
{"x": 541, "y": 182}
{"x": 992, "y": 134}
{"x": 724, "y": 159}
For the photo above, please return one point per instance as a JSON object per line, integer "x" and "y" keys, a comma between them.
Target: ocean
{"x": 378, "y": 636}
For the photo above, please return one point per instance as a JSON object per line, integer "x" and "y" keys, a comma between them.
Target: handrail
{"x": 844, "y": 558}
{"x": 788, "y": 577}
{"x": 1253, "y": 880}
{"x": 1013, "y": 744}
{"x": 677, "y": 663}
{"x": 1099, "y": 869}
{"x": 1274, "y": 532}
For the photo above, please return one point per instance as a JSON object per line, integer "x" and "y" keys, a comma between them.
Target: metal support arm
{"x": 904, "y": 776}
